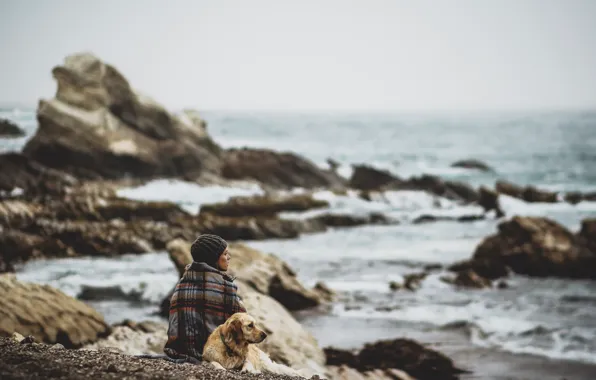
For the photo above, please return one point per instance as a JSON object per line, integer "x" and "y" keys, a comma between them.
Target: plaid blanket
{"x": 203, "y": 299}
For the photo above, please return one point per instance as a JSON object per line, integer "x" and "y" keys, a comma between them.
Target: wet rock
{"x": 577, "y": 197}
{"x": 436, "y": 218}
{"x": 8, "y": 129}
{"x": 103, "y": 293}
{"x": 394, "y": 285}
{"x": 488, "y": 199}
{"x": 472, "y": 164}
{"x": 18, "y": 171}
{"x": 413, "y": 281}
{"x": 407, "y": 355}
{"x": 263, "y": 205}
{"x": 47, "y": 314}
{"x": 98, "y": 126}
{"x": 485, "y": 268}
{"x": 277, "y": 169}
{"x": 346, "y": 220}
{"x": 469, "y": 279}
{"x": 365, "y": 177}
{"x": 533, "y": 246}
{"x": 325, "y": 293}
{"x": 502, "y": 285}
{"x": 529, "y": 193}
{"x": 587, "y": 234}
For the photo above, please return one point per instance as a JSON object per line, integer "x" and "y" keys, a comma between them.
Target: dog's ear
{"x": 235, "y": 330}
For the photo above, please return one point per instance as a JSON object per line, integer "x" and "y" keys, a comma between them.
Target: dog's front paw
{"x": 217, "y": 366}
{"x": 248, "y": 367}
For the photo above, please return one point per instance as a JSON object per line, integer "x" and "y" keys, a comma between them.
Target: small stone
{"x": 17, "y": 337}
{"x": 112, "y": 368}
{"x": 57, "y": 346}
{"x": 394, "y": 285}
{"x": 28, "y": 340}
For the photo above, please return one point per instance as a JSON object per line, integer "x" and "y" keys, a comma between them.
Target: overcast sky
{"x": 354, "y": 55}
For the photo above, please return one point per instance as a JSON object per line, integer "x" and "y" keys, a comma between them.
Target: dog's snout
{"x": 263, "y": 335}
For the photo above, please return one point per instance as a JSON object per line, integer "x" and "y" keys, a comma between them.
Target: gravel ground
{"x": 41, "y": 361}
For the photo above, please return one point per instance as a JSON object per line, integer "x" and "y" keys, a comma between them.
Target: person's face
{"x": 224, "y": 260}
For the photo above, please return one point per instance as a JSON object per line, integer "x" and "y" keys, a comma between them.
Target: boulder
{"x": 277, "y": 169}
{"x": 425, "y": 218}
{"x": 47, "y": 314}
{"x": 472, "y": 164}
{"x": 534, "y": 246}
{"x": 97, "y": 126}
{"x": 366, "y": 177}
{"x": 8, "y": 129}
{"x": 409, "y": 356}
{"x": 453, "y": 190}
{"x": 264, "y": 205}
{"x": 576, "y": 197}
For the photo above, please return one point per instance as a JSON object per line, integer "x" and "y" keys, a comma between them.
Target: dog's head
{"x": 243, "y": 327}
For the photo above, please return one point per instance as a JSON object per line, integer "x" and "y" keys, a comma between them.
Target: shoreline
{"x": 484, "y": 363}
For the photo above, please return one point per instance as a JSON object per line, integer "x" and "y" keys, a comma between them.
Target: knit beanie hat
{"x": 207, "y": 248}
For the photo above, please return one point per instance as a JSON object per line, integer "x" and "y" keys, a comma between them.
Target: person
{"x": 204, "y": 298}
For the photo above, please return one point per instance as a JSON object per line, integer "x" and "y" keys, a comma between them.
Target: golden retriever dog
{"x": 232, "y": 346}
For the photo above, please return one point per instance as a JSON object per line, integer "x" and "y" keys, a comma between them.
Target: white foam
{"x": 188, "y": 195}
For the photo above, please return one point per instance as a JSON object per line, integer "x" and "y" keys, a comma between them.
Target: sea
{"x": 547, "y": 324}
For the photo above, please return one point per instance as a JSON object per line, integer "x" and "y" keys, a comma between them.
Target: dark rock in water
{"x": 537, "y": 247}
{"x": 587, "y": 234}
{"x": 489, "y": 200}
{"x": 433, "y": 218}
{"x": 17, "y": 247}
{"x": 366, "y": 177}
{"x": 338, "y": 357}
{"x": 277, "y": 169}
{"x": 470, "y": 279}
{"x": 104, "y": 293}
{"x": 413, "y": 281}
{"x": 47, "y": 314}
{"x": 453, "y": 190}
{"x": 263, "y": 205}
{"x": 576, "y": 197}
{"x": 345, "y": 220}
{"x": 18, "y": 171}
{"x": 502, "y": 285}
{"x": 97, "y": 127}
{"x": 529, "y": 193}
{"x": 8, "y": 129}
{"x": 472, "y": 164}
{"x": 407, "y": 355}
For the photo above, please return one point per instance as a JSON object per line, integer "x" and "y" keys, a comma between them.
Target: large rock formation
{"x": 8, "y": 129}
{"x": 47, "y": 314}
{"x": 537, "y": 247}
{"x": 528, "y": 193}
{"x": 278, "y": 170}
{"x": 97, "y": 126}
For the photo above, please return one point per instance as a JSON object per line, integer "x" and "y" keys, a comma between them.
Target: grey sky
{"x": 363, "y": 55}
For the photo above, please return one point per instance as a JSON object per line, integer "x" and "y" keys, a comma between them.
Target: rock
{"x": 8, "y": 129}
{"x": 406, "y": 355}
{"x": 346, "y": 220}
{"x": 102, "y": 293}
{"x": 470, "y": 279}
{"x": 324, "y": 292}
{"x": 18, "y": 247}
{"x": 394, "y": 285}
{"x": 434, "y": 218}
{"x": 577, "y": 197}
{"x": 97, "y": 126}
{"x": 134, "y": 341}
{"x": 17, "y": 337}
{"x": 485, "y": 268}
{"x": 529, "y": 193}
{"x": 587, "y": 234}
{"x": 47, "y": 314}
{"x": 413, "y": 281}
{"x": 534, "y": 246}
{"x": 264, "y": 205}
{"x": 277, "y": 169}
{"x": 453, "y": 190}
{"x": 472, "y": 164}
{"x": 502, "y": 285}
{"x": 489, "y": 200}
{"x": 366, "y": 177}
{"x": 333, "y": 165}
{"x": 18, "y": 171}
